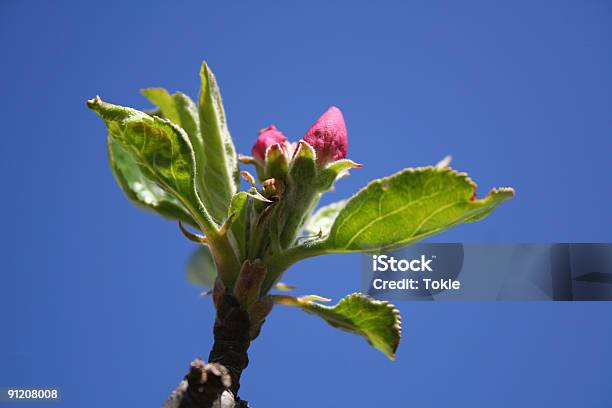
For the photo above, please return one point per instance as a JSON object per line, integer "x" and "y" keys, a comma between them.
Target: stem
{"x": 232, "y": 339}
{"x": 298, "y": 204}
{"x": 218, "y": 381}
{"x": 228, "y": 264}
{"x": 280, "y": 262}
{"x": 225, "y": 257}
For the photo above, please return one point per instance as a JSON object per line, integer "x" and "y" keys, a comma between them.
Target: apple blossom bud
{"x": 328, "y": 136}
{"x": 266, "y": 138}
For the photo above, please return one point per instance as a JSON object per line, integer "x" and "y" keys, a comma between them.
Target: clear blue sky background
{"x": 92, "y": 291}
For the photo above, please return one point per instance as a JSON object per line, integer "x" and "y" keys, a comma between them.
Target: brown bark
{"x": 216, "y": 384}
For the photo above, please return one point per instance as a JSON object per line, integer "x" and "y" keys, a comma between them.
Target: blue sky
{"x": 92, "y": 293}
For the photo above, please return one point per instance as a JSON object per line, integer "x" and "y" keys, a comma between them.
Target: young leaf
{"x": 161, "y": 150}
{"x": 219, "y": 161}
{"x": 335, "y": 171}
{"x": 322, "y": 220}
{"x": 239, "y": 209}
{"x": 201, "y": 270}
{"x": 406, "y": 207}
{"x": 180, "y": 110}
{"x": 141, "y": 190}
{"x": 377, "y": 321}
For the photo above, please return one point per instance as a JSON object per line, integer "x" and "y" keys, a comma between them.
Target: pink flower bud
{"x": 328, "y": 136}
{"x": 266, "y": 138}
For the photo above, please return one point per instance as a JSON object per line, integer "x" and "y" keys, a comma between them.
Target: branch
{"x": 216, "y": 384}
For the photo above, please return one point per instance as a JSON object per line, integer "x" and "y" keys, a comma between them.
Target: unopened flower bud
{"x": 266, "y": 138}
{"x": 328, "y": 136}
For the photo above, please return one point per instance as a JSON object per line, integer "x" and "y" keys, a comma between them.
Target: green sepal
{"x": 276, "y": 164}
{"x": 256, "y": 195}
{"x": 304, "y": 165}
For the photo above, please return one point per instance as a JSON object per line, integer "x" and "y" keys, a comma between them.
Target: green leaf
{"x": 160, "y": 149}
{"x": 375, "y": 320}
{"x": 219, "y": 162}
{"x": 322, "y": 220}
{"x": 180, "y": 110}
{"x": 239, "y": 209}
{"x": 333, "y": 172}
{"x": 201, "y": 270}
{"x": 142, "y": 191}
{"x": 406, "y": 207}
